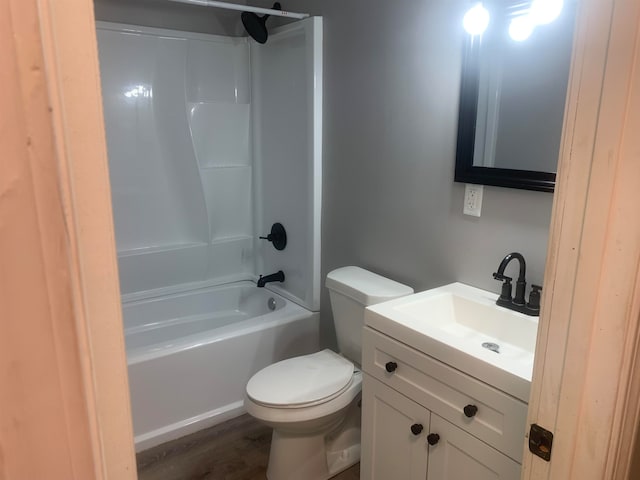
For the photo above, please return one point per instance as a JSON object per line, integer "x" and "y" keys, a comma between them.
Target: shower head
{"x": 255, "y": 25}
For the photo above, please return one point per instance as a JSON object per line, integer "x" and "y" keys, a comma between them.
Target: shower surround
{"x": 211, "y": 140}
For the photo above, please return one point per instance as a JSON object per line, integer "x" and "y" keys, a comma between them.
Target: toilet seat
{"x": 301, "y": 382}
{"x": 297, "y": 417}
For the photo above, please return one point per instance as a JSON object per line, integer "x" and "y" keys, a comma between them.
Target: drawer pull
{"x": 470, "y": 411}
{"x": 391, "y": 366}
{"x": 416, "y": 428}
{"x": 433, "y": 438}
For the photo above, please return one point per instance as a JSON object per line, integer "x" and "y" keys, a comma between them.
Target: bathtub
{"x": 190, "y": 354}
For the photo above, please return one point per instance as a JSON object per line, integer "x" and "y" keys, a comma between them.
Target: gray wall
{"x": 391, "y": 85}
{"x": 391, "y": 82}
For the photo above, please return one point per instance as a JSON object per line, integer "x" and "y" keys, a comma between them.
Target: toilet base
{"x": 319, "y": 457}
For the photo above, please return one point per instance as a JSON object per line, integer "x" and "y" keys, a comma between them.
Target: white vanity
{"x": 446, "y": 385}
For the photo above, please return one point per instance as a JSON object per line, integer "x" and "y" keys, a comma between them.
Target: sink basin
{"x": 464, "y": 328}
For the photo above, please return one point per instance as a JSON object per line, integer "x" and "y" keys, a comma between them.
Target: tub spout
{"x": 274, "y": 277}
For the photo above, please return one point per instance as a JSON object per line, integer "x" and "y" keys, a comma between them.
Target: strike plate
{"x": 540, "y": 442}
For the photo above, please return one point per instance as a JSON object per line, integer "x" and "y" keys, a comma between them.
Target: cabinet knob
{"x": 416, "y": 428}
{"x": 391, "y": 366}
{"x": 470, "y": 410}
{"x": 433, "y": 438}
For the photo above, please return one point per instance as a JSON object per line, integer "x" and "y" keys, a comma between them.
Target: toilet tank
{"x": 351, "y": 290}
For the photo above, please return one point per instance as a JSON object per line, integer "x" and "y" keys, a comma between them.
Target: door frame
{"x": 588, "y": 341}
{"x": 585, "y": 387}
{"x": 65, "y": 397}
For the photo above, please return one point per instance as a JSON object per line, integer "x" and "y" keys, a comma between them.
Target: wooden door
{"x": 64, "y": 404}
{"x": 586, "y": 388}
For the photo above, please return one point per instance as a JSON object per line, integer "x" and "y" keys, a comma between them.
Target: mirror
{"x": 513, "y": 91}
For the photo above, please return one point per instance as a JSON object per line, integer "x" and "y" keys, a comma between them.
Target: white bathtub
{"x": 191, "y": 354}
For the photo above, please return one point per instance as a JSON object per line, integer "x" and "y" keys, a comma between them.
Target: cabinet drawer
{"x": 500, "y": 419}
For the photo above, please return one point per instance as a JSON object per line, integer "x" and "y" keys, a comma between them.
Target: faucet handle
{"x": 502, "y": 277}
{"x": 278, "y": 236}
{"x": 505, "y": 293}
{"x": 534, "y": 297}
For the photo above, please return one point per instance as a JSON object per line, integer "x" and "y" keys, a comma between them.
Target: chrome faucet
{"x": 517, "y": 303}
{"x": 274, "y": 277}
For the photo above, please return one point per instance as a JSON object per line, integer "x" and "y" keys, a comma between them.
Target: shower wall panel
{"x": 157, "y": 201}
{"x": 287, "y": 128}
{"x": 177, "y": 115}
{"x": 211, "y": 140}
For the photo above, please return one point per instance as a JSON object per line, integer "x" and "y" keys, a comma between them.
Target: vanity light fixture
{"x": 521, "y": 28}
{"x": 540, "y": 12}
{"x": 543, "y": 12}
{"x": 476, "y": 20}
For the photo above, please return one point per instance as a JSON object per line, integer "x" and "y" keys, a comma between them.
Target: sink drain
{"x": 494, "y": 347}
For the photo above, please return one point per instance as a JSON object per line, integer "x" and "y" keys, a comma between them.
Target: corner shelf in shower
{"x": 159, "y": 248}
{"x": 231, "y": 238}
{"x": 229, "y": 165}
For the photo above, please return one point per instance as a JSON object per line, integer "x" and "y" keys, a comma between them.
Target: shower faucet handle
{"x": 278, "y": 236}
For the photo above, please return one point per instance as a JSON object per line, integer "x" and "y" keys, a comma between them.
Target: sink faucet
{"x": 518, "y": 302}
{"x": 521, "y": 283}
{"x": 274, "y": 277}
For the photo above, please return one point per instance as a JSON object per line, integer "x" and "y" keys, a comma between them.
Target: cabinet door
{"x": 390, "y": 449}
{"x": 460, "y": 456}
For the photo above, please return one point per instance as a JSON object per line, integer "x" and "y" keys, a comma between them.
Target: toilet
{"x": 312, "y": 402}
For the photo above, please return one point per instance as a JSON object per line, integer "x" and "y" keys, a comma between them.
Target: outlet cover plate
{"x": 472, "y": 199}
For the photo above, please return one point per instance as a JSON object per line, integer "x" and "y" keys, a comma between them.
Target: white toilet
{"x": 312, "y": 402}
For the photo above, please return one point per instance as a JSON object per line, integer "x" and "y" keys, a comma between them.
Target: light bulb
{"x": 521, "y": 28}
{"x": 476, "y": 20}
{"x": 545, "y": 11}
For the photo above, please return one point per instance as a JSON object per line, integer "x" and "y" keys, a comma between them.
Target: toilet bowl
{"x": 312, "y": 402}
{"x": 312, "y": 437}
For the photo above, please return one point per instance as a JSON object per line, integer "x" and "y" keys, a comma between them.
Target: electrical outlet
{"x": 472, "y": 199}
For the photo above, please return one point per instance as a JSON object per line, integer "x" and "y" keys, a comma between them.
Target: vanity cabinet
{"x": 422, "y": 419}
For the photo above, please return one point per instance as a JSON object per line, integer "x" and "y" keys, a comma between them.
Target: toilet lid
{"x": 301, "y": 380}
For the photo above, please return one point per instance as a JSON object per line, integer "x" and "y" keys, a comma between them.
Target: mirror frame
{"x": 465, "y": 171}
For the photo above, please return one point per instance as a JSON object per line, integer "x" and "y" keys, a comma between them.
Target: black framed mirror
{"x": 512, "y": 99}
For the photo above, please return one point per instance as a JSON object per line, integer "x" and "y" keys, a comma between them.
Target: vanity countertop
{"x": 463, "y": 327}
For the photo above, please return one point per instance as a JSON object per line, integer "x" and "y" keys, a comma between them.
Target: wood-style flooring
{"x": 234, "y": 450}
